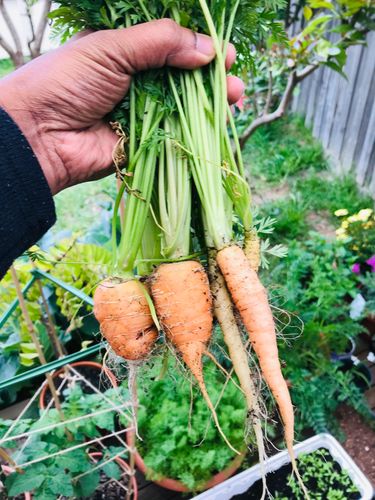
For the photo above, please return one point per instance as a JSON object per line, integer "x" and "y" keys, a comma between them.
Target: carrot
{"x": 250, "y": 298}
{"x": 223, "y": 311}
{"x": 252, "y": 249}
{"x": 183, "y": 303}
{"x": 125, "y": 319}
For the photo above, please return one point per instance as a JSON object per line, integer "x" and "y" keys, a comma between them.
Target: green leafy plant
{"x": 317, "y": 394}
{"x": 317, "y": 280}
{"x": 282, "y": 66}
{"x": 325, "y": 479}
{"x": 357, "y": 231}
{"x": 55, "y": 475}
{"x": 180, "y": 441}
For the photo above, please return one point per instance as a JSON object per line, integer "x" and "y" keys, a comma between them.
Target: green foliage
{"x": 6, "y": 66}
{"x": 317, "y": 394}
{"x": 254, "y": 20}
{"x": 183, "y": 443}
{"x": 281, "y": 150}
{"x": 316, "y": 278}
{"x": 56, "y": 475}
{"x": 83, "y": 265}
{"x": 357, "y": 231}
{"x": 331, "y": 194}
{"x": 330, "y": 481}
{"x": 93, "y": 203}
{"x": 290, "y": 216}
{"x": 317, "y": 282}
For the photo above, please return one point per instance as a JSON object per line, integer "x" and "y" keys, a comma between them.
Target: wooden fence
{"x": 341, "y": 113}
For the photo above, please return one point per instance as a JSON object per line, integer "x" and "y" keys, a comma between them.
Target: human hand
{"x": 59, "y": 100}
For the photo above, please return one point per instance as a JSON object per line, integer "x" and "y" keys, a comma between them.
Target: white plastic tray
{"x": 241, "y": 482}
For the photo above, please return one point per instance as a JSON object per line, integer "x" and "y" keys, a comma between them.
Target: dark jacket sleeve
{"x": 26, "y": 204}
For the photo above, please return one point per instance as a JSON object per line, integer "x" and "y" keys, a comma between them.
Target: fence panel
{"x": 341, "y": 112}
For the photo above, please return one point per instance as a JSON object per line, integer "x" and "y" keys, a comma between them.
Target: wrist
{"x": 36, "y": 132}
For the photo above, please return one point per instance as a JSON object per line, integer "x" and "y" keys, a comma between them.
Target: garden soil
{"x": 360, "y": 440}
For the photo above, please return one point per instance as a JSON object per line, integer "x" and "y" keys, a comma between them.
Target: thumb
{"x": 153, "y": 45}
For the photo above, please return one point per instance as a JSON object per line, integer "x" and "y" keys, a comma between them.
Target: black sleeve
{"x": 27, "y": 210}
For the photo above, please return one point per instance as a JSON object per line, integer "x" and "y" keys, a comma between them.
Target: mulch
{"x": 360, "y": 440}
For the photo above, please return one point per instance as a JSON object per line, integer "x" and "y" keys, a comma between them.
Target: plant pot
{"x": 8, "y": 470}
{"x": 242, "y": 482}
{"x": 124, "y": 466}
{"x": 349, "y": 351}
{"x": 174, "y": 484}
{"x": 92, "y": 365}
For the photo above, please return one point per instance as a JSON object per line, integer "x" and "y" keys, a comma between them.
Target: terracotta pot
{"x": 8, "y": 470}
{"x": 174, "y": 484}
{"x": 88, "y": 364}
{"x": 124, "y": 466}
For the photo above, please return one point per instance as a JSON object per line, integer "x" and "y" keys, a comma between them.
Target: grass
{"x": 332, "y": 193}
{"x": 283, "y": 149}
{"x": 285, "y": 152}
{"x": 6, "y": 66}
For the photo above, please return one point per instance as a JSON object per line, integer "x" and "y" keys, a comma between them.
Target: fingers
{"x": 231, "y": 56}
{"x": 235, "y": 88}
{"x": 153, "y": 45}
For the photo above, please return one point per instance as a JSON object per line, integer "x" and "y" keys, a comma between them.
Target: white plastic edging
{"x": 241, "y": 482}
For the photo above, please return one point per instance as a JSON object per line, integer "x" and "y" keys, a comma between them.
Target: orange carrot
{"x": 183, "y": 303}
{"x": 250, "y": 298}
{"x": 125, "y": 319}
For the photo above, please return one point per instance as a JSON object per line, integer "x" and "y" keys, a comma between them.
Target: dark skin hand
{"x": 59, "y": 100}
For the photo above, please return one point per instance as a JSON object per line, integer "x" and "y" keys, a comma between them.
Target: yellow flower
{"x": 345, "y": 224}
{"x": 341, "y": 233}
{"x": 341, "y": 212}
{"x": 364, "y": 214}
{"x": 353, "y": 218}
{"x": 369, "y": 224}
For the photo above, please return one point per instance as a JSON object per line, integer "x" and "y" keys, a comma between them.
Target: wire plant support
{"x": 25, "y": 438}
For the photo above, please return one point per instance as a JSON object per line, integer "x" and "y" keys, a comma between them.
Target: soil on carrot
{"x": 360, "y": 440}
{"x": 278, "y": 487}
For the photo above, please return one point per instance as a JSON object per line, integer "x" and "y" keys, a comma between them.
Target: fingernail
{"x": 204, "y": 45}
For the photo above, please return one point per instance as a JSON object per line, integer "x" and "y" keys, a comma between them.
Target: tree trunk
{"x": 18, "y": 59}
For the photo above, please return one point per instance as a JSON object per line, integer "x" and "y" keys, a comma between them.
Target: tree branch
{"x": 269, "y": 93}
{"x": 7, "y": 47}
{"x": 306, "y": 72}
{"x": 270, "y": 117}
{"x": 17, "y": 53}
{"x": 293, "y": 80}
{"x": 40, "y": 30}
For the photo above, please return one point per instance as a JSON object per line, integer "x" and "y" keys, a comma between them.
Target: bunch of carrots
{"x": 177, "y": 263}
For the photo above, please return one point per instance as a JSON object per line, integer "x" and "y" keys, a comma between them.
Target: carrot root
{"x": 223, "y": 311}
{"x": 183, "y": 302}
{"x": 250, "y": 298}
{"x": 125, "y": 318}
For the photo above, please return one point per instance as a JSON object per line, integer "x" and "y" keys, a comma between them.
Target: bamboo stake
{"x": 58, "y": 348}
{"x": 35, "y": 339}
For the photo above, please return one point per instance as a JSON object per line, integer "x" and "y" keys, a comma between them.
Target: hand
{"x": 59, "y": 100}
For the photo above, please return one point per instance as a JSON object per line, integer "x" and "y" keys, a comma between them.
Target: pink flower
{"x": 356, "y": 268}
{"x": 371, "y": 263}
